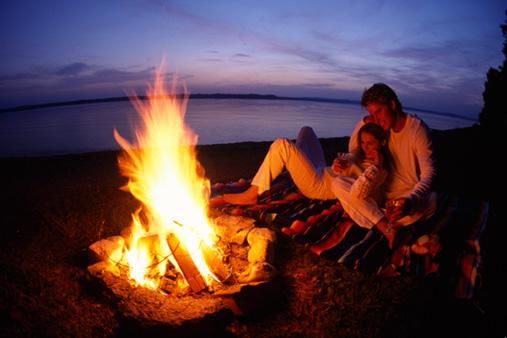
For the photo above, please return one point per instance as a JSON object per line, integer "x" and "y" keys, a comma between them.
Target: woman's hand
{"x": 336, "y": 166}
{"x": 375, "y": 157}
{"x": 340, "y": 163}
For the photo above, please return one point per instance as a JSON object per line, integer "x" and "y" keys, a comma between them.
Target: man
{"x": 412, "y": 168}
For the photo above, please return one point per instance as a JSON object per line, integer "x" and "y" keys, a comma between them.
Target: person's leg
{"x": 310, "y": 145}
{"x": 284, "y": 154}
{"x": 365, "y": 212}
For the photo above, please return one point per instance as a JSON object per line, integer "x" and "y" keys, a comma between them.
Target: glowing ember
{"x": 166, "y": 177}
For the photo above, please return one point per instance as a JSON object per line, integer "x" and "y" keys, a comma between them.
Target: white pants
{"x": 306, "y": 164}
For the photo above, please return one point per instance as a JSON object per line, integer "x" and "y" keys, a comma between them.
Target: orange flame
{"x": 166, "y": 177}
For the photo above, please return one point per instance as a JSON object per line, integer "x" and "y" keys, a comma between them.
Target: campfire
{"x": 174, "y": 246}
{"x": 166, "y": 177}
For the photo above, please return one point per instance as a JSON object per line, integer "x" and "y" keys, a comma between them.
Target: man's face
{"x": 382, "y": 114}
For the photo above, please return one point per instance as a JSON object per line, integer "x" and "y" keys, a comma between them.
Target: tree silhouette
{"x": 494, "y": 111}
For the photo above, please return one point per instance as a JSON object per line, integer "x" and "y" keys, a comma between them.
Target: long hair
{"x": 379, "y": 134}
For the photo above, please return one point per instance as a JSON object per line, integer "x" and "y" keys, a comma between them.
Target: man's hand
{"x": 398, "y": 208}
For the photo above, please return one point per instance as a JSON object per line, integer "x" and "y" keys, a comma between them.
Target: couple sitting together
{"x": 385, "y": 179}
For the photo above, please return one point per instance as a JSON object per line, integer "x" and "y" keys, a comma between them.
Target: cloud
{"x": 16, "y": 77}
{"x": 73, "y": 69}
{"x": 240, "y": 58}
{"x": 74, "y": 75}
{"x": 304, "y": 53}
{"x": 75, "y": 81}
{"x": 319, "y": 85}
{"x": 109, "y": 76}
{"x": 196, "y": 23}
{"x": 241, "y": 55}
{"x": 434, "y": 69}
{"x": 441, "y": 53}
{"x": 211, "y": 60}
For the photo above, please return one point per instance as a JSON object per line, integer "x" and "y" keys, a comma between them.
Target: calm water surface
{"x": 89, "y": 127}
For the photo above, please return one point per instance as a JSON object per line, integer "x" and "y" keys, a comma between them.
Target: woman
{"x": 354, "y": 183}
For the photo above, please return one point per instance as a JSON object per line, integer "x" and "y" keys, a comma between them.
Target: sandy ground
{"x": 53, "y": 208}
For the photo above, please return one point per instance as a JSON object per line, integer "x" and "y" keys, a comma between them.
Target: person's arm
{"x": 424, "y": 156}
{"x": 371, "y": 178}
{"x": 418, "y": 197}
{"x": 344, "y": 165}
{"x": 353, "y": 142}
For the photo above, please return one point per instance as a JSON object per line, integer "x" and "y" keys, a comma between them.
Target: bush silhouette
{"x": 494, "y": 111}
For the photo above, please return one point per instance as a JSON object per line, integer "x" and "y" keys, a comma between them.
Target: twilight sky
{"x": 434, "y": 53}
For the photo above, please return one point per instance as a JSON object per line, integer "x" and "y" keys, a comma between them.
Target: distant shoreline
{"x": 219, "y": 96}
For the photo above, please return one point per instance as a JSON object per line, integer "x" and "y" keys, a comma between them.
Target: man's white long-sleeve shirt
{"x": 412, "y": 167}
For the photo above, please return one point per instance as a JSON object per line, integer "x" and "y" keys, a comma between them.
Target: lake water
{"x": 89, "y": 127}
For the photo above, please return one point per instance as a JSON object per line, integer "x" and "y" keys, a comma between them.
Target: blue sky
{"x": 435, "y": 54}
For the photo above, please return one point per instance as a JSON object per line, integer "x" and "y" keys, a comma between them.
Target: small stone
{"x": 108, "y": 249}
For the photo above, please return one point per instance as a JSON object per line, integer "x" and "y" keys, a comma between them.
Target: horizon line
{"x": 217, "y": 96}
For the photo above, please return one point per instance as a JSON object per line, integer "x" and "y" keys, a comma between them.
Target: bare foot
{"x": 334, "y": 239}
{"x": 216, "y": 201}
{"x": 246, "y": 197}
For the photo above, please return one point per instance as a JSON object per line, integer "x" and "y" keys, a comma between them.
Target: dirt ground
{"x": 53, "y": 208}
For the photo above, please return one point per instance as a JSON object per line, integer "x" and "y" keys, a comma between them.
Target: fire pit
{"x": 178, "y": 263}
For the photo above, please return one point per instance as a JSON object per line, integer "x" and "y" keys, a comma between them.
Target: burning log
{"x": 216, "y": 264}
{"x": 155, "y": 251}
{"x": 186, "y": 264}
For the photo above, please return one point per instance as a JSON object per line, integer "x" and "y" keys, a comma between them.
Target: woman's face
{"x": 382, "y": 114}
{"x": 370, "y": 144}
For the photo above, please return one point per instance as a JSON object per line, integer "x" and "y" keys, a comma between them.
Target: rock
{"x": 100, "y": 268}
{"x": 233, "y": 229}
{"x": 262, "y": 245}
{"x": 258, "y": 272}
{"x": 107, "y": 249}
